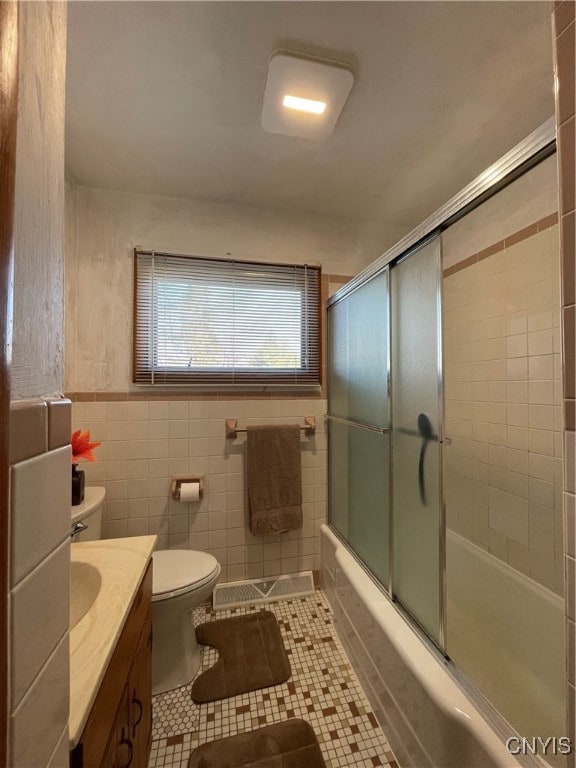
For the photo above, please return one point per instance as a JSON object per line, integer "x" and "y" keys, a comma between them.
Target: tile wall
{"x": 503, "y": 390}
{"x": 144, "y": 443}
{"x": 39, "y": 582}
{"x": 564, "y": 29}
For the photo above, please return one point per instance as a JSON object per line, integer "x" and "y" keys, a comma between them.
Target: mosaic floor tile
{"x": 323, "y": 690}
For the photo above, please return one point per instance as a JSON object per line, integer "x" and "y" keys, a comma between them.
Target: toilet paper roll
{"x": 189, "y": 491}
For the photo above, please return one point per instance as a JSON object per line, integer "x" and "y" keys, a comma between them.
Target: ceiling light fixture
{"x": 322, "y": 88}
{"x": 304, "y": 105}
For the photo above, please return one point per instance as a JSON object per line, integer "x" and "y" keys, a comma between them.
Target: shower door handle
{"x": 426, "y": 432}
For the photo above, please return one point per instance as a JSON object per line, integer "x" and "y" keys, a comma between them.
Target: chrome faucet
{"x": 77, "y": 529}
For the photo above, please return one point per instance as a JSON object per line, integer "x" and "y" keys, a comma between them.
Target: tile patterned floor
{"x": 323, "y": 690}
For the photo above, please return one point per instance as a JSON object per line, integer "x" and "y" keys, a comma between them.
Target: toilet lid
{"x": 177, "y": 571}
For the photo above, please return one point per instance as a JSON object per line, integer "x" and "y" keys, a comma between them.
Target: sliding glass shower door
{"x": 416, "y": 419}
{"x": 359, "y": 422}
{"x": 384, "y": 450}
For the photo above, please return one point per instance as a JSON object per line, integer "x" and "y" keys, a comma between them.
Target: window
{"x": 213, "y": 321}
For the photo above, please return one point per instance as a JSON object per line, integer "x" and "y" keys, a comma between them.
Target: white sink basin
{"x": 85, "y": 583}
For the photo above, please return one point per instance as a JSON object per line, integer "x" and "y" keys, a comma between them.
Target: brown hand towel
{"x": 274, "y": 478}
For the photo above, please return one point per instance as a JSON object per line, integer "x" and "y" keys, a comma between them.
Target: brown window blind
{"x": 216, "y": 321}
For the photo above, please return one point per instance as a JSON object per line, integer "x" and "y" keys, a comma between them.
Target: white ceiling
{"x": 165, "y": 98}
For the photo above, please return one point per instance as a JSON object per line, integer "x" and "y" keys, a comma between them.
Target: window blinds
{"x": 212, "y": 321}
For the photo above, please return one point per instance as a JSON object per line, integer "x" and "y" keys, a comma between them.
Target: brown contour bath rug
{"x": 292, "y": 744}
{"x": 252, "y": 656}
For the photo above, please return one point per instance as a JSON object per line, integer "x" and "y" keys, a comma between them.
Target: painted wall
{"x": 37, "y": 364}
{"x": 108, "y": 225}
{"x": 532, "y": 197}
{"x": 503, "y": 378}
{"x": 39, "y": 432}
{"x": 147, "y": 440}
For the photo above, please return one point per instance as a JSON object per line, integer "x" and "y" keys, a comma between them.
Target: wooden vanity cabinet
{"x": 140, "y": 700}
{"x": 119, "y": 728}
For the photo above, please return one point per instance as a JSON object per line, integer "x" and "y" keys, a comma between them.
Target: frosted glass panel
{"x": 358, "y": 354}
{"x": 503, "y": 467}
{"x": 338, "y": 458}
{"x": 415, "y": 419}
{"x": 359, "y": 492}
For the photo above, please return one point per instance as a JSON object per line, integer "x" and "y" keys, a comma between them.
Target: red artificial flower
{"x": 82, "y": 447}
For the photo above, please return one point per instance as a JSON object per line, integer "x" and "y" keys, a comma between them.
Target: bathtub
{"x": 424, "y": 711}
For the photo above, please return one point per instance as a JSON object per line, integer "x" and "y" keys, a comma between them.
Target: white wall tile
{"x": 217, "y": 520}
{"x": 94, "y": 412}
{"x": 138, "y": 411}
{"x": 157, "y": 429}
{"x": 159, "y": 411}
{"x": 39, "y": 618}
{"x": 520, "y": 465}
{"x": 137, "y": 526}
{"x": 115, "y": 529}
{"x": 137, "y": 476}
{"x": 39, "y": 520}
{"x": 37, "y": 723}
{"x": 61, "y": 755}
{"x": 178, "y": 410}
{"x": 569, "y": 458}
{"x": 216, "y": 539}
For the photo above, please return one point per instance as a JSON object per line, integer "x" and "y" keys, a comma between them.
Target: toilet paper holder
{"x": 177, "y": 481}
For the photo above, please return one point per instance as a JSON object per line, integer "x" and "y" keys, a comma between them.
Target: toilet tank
{"x": 90, "y": 513}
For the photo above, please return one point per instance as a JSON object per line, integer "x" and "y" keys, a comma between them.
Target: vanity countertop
{"x": 121, "y": 564}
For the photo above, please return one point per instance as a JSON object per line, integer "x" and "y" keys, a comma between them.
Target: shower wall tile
{"x": 145, "y": 443}
{"x": 570, "y": 524}
{"x": 503, "y": 376}
{"x": 564, "y": 31}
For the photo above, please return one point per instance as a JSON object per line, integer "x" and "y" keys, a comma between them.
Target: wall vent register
{"x": 257, "y": 591}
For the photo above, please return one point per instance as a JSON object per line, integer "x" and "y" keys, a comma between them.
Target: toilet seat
{"x": 178, "y": 571}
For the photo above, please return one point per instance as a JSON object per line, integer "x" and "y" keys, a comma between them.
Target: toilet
{"x": 182, "y": 580}
{"x": 89, "y": 513}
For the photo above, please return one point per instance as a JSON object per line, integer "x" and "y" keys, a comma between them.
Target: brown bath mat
{"x": 252, "y": 656}
{"x": 292, "y": 744}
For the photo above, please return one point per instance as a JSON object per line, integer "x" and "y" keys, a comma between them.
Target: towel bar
{"x": 232, "y": 430}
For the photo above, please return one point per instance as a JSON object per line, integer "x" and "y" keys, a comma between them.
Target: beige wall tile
{"x": 570, "y": 587}
{"x": 59, "y": 422}
{"x": 541, "y": 393}
{"x": 541, "y": 367}
{"x": 541, "y": 467}
{"x": 541, "y": 441}
{"x": 37, "y": 724}
{"x": 517, "y": 369}
{"x": 28, "y": 429}
{"x": 61, "y": 755}
{"x": 517, "y": 415}
{"x": 39, "y": 520}
{"x": 39, "y": 618}
{"x": 509, "y": 526}
{"x": 517, "y": 391}
{"x": 570, "y": 524}
{"x": 505, "y": 394}
{"x": 517, "y": 346}
{"x": 569, "y": 468}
